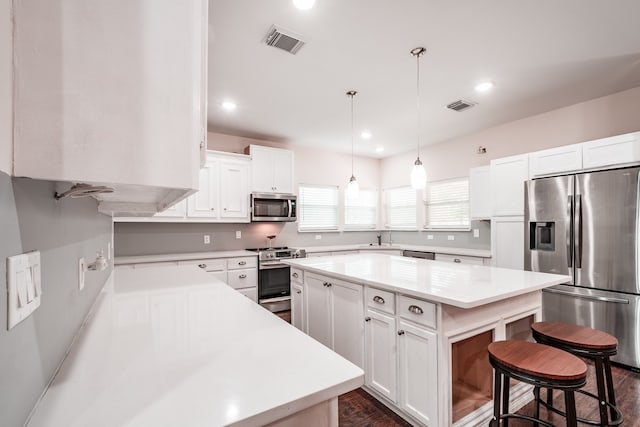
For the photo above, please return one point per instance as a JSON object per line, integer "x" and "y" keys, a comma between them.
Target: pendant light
{"x": 353, "y": 188}
{"x": 418, "y": 173}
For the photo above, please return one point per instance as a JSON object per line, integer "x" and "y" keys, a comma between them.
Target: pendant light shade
{"x": 418, "y": 173}
{"x": 353, "y": 188}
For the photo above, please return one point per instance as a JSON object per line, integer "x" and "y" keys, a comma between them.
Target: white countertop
{"x": 483, "y": 253}
{"x": 460, "y": 285}
{"x": 170, "y": 346}
{"x": 139, "y": 259}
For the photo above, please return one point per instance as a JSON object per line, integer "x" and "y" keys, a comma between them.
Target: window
{"x": 400, "y": 207}
{"x": 361, "y": 212}
{"x": 317, "y": 207}
{"x": 447, "y": 204}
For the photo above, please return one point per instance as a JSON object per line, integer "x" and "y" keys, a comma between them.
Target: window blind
{"x": 317, "y": 207}
{"x": 447, "y": 205}
{"x": 361, "y": 212}
{"x": 400, "y": 207}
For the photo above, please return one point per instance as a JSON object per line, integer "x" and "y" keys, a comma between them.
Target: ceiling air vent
{"x": 284, "y": 39}
{"x": 461, "y": 105}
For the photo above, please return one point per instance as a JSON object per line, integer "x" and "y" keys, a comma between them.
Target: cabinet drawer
{"x": 381, "y": 300}
{"x": 242, "y": 278}
{"x": 207, "y": 264}
{"x": 419, "y": 311}
{"x": 296, "y": 275}
{"x": 242, "y": 262}
{"x": 251, "y": 293}
{"x": 459, "y": 259}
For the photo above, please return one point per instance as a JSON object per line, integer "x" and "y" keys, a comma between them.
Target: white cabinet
{"x": 234, "y": 184}
{"x": 507, "y": 185}
{"x": 297, "y": 306}
{"x": 396, "y": 252}
{"x": 507, "y": 242}
{"x": 120, "y": 101}
{"x": 460, "y": 259}
{"x": 480, "y": 193}
{"x": 418, "y": 372}
{"x": 335, "y": 315}
{"x": 204, "y": 203}
{"x": 381, "y": 358}
{"x": 615, "y": 150}
{"x": 556, "y": 160}
{"x": 271, "y": 170}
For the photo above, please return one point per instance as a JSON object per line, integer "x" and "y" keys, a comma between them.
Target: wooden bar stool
{"x": 539, "y": 365}
{"x": 591, "y": 344}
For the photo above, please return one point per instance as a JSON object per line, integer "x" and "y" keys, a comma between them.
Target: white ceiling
{"x": 541, "y": 54}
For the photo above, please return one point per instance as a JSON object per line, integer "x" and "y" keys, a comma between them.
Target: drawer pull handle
{"x": 378, "y": 299}
{"x": 295, "y": 275}
{"x": 242, "y": 263}
{"x": 456, "y": 260}
{"x": 415, "y": 309}
{"x": 367, "y": 319}
{"x": 243, "y": 276}
{"x": 324, "y": 284}
{"x": 400, "y": 332}
{"x": 329, "y": 285}
{"x": 202, "y": 265}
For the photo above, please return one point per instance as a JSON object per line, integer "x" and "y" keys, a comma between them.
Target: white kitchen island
{"x": 419, "y": 328}
{"x": 172, "y": 346}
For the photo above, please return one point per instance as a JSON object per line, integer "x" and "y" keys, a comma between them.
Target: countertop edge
{"x": 137, "y": 259}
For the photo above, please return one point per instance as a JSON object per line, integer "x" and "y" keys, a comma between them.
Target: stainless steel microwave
{"x": 273, "y": 207}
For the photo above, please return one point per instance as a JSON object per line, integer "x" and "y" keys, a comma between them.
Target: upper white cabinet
{"x": 480, "y": 193}
{"x": 620, "y": 149}
{"x": 556, "y": 160}
{"x": 234, "y": 184}
{"x": 507, "y": 185}
{"x": 112, "y": 93}
{"x": 271, "y": 170}
{"x": 204, "y": 203}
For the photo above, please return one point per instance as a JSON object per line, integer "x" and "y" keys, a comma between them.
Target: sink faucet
{"x": 379, "y": 236}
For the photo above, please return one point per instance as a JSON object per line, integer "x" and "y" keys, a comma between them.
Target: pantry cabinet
{"x": 271, "y": 170}
{"x": 108, "y": 93}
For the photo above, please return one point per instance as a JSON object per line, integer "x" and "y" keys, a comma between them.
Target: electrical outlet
{"x": 429, "y": 236}
{"x": 81, "y": 269}
{"x": 238, "y": 234}
{"x": 318, "y": 236}
{"x": 207, "y": 239}
{"x": 476, "y": 233}
{"x": 451, "y": 237}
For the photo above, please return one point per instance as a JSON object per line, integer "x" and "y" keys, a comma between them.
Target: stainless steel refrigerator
{"x": 587, "y": 226}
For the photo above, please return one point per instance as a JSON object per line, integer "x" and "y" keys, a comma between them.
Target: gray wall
{"x": 162, "y": 238}
{"x": 30, "y": 219}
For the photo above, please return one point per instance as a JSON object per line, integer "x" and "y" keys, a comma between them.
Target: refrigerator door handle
{"x": 591, "y": 297}
{"x": 568, "y": 226}
{"x": 578, "y": 231}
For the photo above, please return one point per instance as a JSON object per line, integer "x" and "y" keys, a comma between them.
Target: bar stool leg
{"x": 550, "y": 397}
{"x": 570, "y": 407}
{"x": 505, "y": 399}
{"x": 536, "y": 397}
{"x": 601, "y": 391}
{"x": 497, "y": 387}
{"x": 610, "y": 390}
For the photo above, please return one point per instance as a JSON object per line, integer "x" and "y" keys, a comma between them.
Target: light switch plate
{"x": 476, "y": 233}
{"x": 24, "y": 287}
{"x": 207, "y": 239}
{"x": 451, "y": 237}
{"x": 429, "y": 236}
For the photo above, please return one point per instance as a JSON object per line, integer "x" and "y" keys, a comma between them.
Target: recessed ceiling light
{"x": 379, "y": 149}
{"x": 229, "y": 105}
{"x": 304, "y": 4}
{"x": 484, "y": 86}
{"x": 365, "y": 134}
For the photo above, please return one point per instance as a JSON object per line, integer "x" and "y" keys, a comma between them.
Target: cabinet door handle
{"x": 295, "y": 275}
{"x": 243, "y": 276}
{"x": 400, "y": 332}
{"x": 415, "y": 309}
{"x": 213, "y": 209}
{"x": 242, "y": 263}
{"x": 202, "y": 265}
{"x": 298, "y": 292}
{"x": 324, "y": 284}
{"x": 225, "y": 209}
{"x": 367, "y": 319}
{"x": 456, "y": 260}
{"x": 378, "y": 299}
{"x": 329, "y": 285}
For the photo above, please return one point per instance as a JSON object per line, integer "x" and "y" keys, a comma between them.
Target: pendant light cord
{"x": 352, "y": 134}
{"x": 418, "y": 100}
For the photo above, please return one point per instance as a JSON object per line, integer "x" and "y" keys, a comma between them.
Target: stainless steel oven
{"x": 273, "y": 207}
{"x": 274, "y": 287}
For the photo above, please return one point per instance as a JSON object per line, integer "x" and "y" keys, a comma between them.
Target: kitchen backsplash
{"x": 63, "y": 231}
{"x": 160, "y": 238}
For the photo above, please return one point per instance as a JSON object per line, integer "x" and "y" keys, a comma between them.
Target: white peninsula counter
{"x": 171, "y": 346}
{"x": 419, "y": 328}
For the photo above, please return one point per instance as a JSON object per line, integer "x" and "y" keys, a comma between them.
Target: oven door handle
{"x": 272, "y": 266}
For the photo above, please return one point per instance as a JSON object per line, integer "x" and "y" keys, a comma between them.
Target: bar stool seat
{"x": 591, "y": 344}
{"x": 539, "y": 365}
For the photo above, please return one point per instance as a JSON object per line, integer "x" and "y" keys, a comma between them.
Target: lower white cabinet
{"x": 418, "y": 372}
{"x": 381, "y": 359}
{"x": 297, "y": 306}
{"x": 334, "y": 313}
